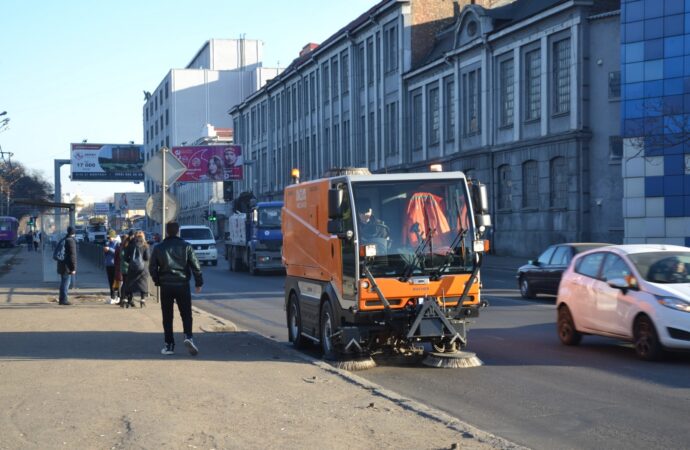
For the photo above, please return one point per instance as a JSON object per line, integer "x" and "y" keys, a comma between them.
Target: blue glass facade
{"x": 655, "y": 91}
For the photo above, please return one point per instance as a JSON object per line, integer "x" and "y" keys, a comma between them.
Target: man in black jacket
{"x": 68, "y": 266}
{"x": 172, "y": 264}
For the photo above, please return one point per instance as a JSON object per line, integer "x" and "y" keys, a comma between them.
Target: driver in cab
{"x": 370, "y": 228}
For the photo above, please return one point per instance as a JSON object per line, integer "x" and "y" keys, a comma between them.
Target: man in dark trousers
{"x": 67, "y": 267}
{"x": 172, "y": 265}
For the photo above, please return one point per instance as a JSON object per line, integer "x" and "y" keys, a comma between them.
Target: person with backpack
{"x": 65, "y": 254}
{"x": 137, "y": 255}
{"x": 172, "y": 265}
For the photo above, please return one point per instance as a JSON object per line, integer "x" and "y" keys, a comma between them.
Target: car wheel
{"x": 566, "y": 327}
{"x": 327, "y": 328}
{"x": 525, "y": 288}
{"x": 214, "y": 262}
{"x": 646, "y": 339}
{"x": 294, "y": 323}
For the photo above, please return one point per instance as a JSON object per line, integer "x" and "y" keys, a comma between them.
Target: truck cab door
{"x": 348, "y": 253}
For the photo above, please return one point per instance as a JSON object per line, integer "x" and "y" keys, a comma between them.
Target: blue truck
{"x": 254, "y": 239}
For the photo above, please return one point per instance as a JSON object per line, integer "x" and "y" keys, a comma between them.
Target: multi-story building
{"x": 523, "y": 96}
{"x": 187, "y": 101}
{"x": 656, "y": 107}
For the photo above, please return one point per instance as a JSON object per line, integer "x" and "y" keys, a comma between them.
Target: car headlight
{"x": 211, "y": 247}
{"x": 674, "y": 303}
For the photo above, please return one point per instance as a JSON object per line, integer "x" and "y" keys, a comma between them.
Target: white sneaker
{"x": 189, "y": 343}
{"x": 114, "y": 301}
{"x": 169, "y": 349}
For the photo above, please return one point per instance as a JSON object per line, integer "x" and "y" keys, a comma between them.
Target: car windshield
{"x": 671, "y": 267}
{"x": 269, "y": 217}
{"x": 196, "y": 234}
{"x": 419, "y": 227}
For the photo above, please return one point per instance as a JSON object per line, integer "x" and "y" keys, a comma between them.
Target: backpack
{"x": 59, "y": 251}
{"x": 137, "y": 262}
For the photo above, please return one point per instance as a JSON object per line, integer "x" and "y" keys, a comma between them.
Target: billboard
{"x": 210, "y": 162}
{"x": 127, "y": 201}
{"x": 101, "y": 209}
{"x": 107, "y": 162}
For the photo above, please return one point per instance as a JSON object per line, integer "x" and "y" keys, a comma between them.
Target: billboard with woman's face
{"x": 210, "y": 162}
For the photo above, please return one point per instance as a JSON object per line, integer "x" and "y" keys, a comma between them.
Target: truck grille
{"x": 272, "y": 245}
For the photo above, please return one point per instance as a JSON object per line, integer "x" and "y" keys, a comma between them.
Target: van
{"x": 202, "y": 241}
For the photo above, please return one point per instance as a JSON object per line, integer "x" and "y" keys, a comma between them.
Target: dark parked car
{"x": 543, "y": 275}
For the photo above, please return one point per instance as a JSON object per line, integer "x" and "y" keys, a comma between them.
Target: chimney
{"x": 310, "y": 47}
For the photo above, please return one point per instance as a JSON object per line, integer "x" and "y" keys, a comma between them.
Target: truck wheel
{"x": 328, "y": 329}
{"x": 251, "y": 262}
{"x": 294, "y": 323}
{"x": 214, "y": 262}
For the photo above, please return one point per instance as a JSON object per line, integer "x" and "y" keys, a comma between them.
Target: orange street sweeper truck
{"x": 384, "y": 263}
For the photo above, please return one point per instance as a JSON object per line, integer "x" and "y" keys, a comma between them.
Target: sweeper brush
{"x": 453, "y": 360}
{"x": 353, "y": 364}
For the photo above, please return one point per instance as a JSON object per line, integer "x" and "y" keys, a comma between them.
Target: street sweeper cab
{"x": 383, "y": 263}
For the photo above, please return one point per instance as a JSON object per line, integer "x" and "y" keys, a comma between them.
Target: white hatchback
{"x": 202, "y": 241}
{"x": 639, "y": 293}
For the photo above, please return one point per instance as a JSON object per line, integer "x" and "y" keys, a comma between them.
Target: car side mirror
{"x": 620, "y": 283}
{"x": 533, "y": 262}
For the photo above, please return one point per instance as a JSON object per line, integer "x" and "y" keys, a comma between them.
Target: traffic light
{"x": 212, "y": 217}
{"x": 228, "y": 192}
{"x": 31, "y": 221}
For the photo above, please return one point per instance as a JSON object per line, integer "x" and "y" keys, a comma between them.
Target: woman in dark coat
{"x": 137, "y": 256}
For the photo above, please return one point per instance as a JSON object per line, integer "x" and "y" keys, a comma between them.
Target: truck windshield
{"x": 419, "y": 227}
{"x": 269, "y": 217}
{"x": 96, "y": 228}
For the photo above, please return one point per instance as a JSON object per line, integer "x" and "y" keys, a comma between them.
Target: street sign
{"x": 173, "y": 168}
{"x": 154, "y": 207}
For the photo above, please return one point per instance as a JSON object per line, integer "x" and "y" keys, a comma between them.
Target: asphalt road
{"x": 531, "y": 389}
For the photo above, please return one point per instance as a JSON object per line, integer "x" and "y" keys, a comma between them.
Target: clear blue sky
{"x": 74, "y": 70}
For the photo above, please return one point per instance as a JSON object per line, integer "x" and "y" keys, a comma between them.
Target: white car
{"x": 202, "y": 241}
{"x": 639, "y": 293}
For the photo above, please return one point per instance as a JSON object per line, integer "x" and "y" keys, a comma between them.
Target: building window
{"x": 325, "y": 83}
{"x": 371, "y": 137}
{"x": 167, "y": 116}
{"x": 530, "y": 184}
{"x": 507, "y": 92}
{"x": 370, "y": 61}
{"x": 533, "y": 85}
{"x": 347, "y": 154}
{"x": 336, "y": 145}
{"x": 345, "y": 73}
{"x": 433, "y": 117}
{"x": 167, "y": 89}
{"x": 334, "y": 77}
{"x": 505, "y": 187}
{"x": 558, "y": 182}
{"x": 392, "y": 128}
{"x": 615, "y": 148}
{"x": 361, "y": 142}
{"x": 449, "y": 96}
{"x": 390, "y": 42}
{"x": 615, "y": 84}
{"x": 561, "y": 76}
{"x": 417, "y": 127}
{"x": 472, "y": 88}
{"x": 326, "y": 148}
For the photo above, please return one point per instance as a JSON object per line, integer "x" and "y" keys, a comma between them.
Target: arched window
{"x": 505, "y": 186}
{"x": 558, "y": 182}
{"x": 530, "y": 184}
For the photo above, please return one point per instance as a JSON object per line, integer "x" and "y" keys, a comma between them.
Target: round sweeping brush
{"x": 454, "y": 360}
{"x": 353, "y": 363}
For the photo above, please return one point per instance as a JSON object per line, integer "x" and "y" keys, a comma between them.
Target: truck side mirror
{"x": 335, "y": 203}
{"x": 480, "y": 198}
{"x": 335, "y": 226}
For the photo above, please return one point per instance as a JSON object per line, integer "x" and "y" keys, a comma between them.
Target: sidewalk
{"x": 92, "y": 376}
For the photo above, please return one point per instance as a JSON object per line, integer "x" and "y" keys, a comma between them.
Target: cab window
{"x": 589, "y": 265}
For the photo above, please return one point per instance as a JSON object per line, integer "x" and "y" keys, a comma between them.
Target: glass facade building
{"x": 655, "y": 77}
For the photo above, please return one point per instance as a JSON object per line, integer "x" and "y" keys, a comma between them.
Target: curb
{"x": 466, "y": 430}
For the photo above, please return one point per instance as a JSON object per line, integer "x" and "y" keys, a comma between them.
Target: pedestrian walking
{"x": 37, "y": 240}
{"x": 172, "y": 265}
{"x": 137, "y": 256}
{"x": 120, "y": 274}
{"x": 109, "y": 249}
{"x": 66, "y": 256}
{"x": 29, "y": 241}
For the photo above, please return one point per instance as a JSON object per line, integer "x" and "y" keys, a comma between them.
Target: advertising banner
{"x": 107, "y": 162}
{"x": 101, "y": 209}
{"x": 129, "y": 201}
{"x": 210, "y": 162}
